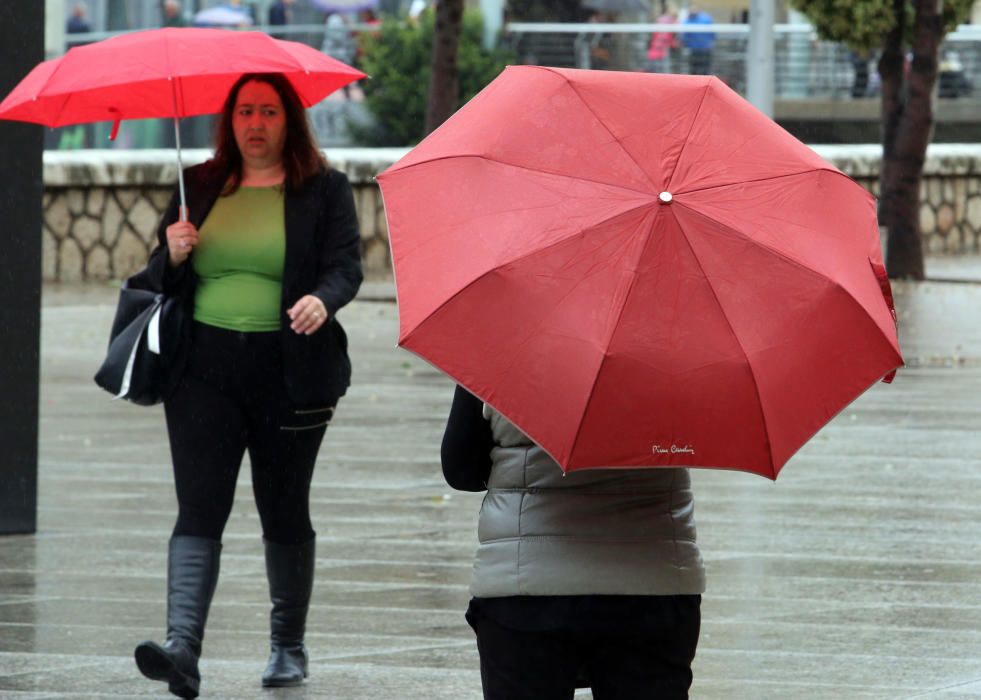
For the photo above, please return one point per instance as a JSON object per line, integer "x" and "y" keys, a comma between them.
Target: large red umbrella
{"x": 639, "y": 270}
{"x": 174, "y": 72}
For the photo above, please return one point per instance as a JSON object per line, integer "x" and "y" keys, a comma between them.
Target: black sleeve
{"x": 158, "y": 271}
{"x": 467, "y": 444}
{"x": 339, "y": 274}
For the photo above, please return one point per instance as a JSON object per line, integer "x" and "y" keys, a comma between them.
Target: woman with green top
{"x": 269, "y": 255}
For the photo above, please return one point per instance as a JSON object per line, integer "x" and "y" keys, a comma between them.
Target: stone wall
{"x": 950, "y": 207}
{"x": 101, "y": 208}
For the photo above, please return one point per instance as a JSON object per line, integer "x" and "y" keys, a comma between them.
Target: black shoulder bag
{"x": 147, "y": 344}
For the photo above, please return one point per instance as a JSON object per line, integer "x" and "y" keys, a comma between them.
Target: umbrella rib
{"x": 774, "y": 251}
{"x": 830, "y": 169}
{"x": 560, "y": 241}
{"x": 769, "y": 248}
{"x": 61, "y": 109}
{"x": 691, "y": 127}
{"x": 511, "y": 261}
{"x": 600, "y": 121}
{"x": 296, "y": 61}
{"x": 613, "y": 327}
{"x": 715, "y": 295}
{"x": 491, "y": 159}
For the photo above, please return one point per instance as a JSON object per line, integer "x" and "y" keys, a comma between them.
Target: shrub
{"x": 397, "y": 59}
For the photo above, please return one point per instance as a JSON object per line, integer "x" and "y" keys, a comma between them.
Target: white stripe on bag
{"x": 128, "y": 374}
{"x": 153, "y": 342}
{"x": 153, "y": 332}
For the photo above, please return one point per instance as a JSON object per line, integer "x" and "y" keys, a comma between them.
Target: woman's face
{"x": 259, "y": 124}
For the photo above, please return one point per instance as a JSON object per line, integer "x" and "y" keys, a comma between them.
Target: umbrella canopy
{"x": 639, "y": 270}
{"x": 223, "y": 16}
{"x": 175, "y": 72}
{"x": 344, "y": 5}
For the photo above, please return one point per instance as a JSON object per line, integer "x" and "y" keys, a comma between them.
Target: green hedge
{"x": 397, "y": 61}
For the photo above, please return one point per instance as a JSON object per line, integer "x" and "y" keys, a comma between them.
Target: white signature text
{"x": 674, "y": 449}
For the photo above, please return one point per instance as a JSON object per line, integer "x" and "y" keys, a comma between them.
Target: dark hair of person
{"x": 301, "y": 157}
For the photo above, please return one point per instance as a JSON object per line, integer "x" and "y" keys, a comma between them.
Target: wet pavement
{"x": 856, "y": 575}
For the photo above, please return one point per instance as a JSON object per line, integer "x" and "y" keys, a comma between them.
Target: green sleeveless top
{"x": 239, "y": 261}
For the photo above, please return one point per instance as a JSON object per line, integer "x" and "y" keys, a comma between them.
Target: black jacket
{"x": 323, "y": 258}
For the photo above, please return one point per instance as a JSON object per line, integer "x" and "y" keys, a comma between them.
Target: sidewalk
{"x": 856, "y": 575}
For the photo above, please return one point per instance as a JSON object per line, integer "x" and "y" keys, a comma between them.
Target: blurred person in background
{"x": 245, "y": 6}
{"x": 699, "y": 44}
{"x": 78, "y": 22}
{"x": 281, "y": 13}
{"x": 173, "y": 16}
{"x": 340, "y": 42}
{"x": 663, "y": 43}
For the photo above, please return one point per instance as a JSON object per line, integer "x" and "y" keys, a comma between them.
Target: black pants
{"x": 232, "y": 399}
{"x": 701, "y": 62}
{"x": 545, "y": 665}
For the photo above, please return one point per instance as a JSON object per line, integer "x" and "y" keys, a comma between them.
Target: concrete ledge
{"x": 101, "y": 207}
{"x": 158, "y": 167}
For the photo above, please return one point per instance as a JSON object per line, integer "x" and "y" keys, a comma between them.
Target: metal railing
{"x": 806, "y": 66}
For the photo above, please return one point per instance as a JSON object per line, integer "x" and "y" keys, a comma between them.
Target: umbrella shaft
{"x": 180, "y": 168}
{"x": 177, "y": 140}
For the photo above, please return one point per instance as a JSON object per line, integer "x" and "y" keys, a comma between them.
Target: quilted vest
{"x": 588, "y": 532}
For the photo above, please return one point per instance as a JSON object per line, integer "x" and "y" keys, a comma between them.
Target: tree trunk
{"x": 907, "y": 125}
{"x": 443, "y": 83}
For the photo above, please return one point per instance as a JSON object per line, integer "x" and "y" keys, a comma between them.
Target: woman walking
{"x": 590, "y": 578}
{"x": 270, "y": 254}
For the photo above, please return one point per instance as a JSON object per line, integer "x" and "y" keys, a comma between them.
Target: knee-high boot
{"x": 290, "y": 572}
{"x": 192, "y": 573}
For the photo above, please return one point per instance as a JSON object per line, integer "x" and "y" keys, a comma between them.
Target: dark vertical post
{"x": 21, "y": 189}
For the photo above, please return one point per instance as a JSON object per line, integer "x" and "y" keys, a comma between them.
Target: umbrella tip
{"x": 665, "y": 197}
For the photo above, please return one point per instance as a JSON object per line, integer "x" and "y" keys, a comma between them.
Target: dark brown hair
{"x": 301, "y": 157}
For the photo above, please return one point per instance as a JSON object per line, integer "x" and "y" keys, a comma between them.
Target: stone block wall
{"x": 101, "y": 208}
{"x": 950, "y": 195}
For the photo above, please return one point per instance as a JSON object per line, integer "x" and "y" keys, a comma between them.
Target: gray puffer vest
{"x": 590, "y": 532}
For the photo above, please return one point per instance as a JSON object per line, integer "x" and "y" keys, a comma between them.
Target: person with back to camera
{"x": 593, "y": 572}
{"x": 270, "y": 254}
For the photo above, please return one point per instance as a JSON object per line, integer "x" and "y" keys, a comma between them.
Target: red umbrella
{"x": 639, "y": 270}
{"x": 165, "y": 73}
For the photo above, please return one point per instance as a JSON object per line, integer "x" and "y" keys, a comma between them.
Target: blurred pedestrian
{"x": 245, "y": 6}
{"x": 78, "y": 22}
{"x": 594, "y": 47}
{"x": 699, "y": 44}
{"x": 860, "y": 65}
{"x": 281, "y": 13}
{"x": 270, "y": 255}
{"x": 592, "y": 575}
{"x": 663, "y": 43}
{"x": 173, "y": 15}
{"x": 340, "y": 42}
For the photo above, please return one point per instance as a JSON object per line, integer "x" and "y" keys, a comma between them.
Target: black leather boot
{"x": 289, "y": 568}
{"x": 192, "y": 573}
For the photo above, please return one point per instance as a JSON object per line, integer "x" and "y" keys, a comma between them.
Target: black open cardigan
{"x": 323, "y": 258}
